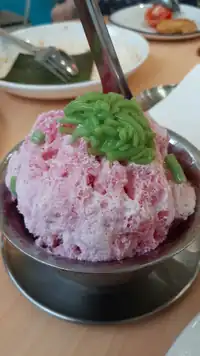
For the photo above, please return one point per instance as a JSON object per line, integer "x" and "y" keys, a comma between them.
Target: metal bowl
{"x": 109, "y": 273}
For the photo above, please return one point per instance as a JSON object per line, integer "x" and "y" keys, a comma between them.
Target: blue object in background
{"x": 40, "y": 10}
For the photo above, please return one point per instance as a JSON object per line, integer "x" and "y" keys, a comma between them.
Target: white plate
{"x": 132, "y": 18}
{"x": 132, "y": 50}
{"x": 188, "y": 342}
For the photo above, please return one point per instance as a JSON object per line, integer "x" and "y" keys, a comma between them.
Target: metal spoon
{"x": 105, "y": 57}
{"x": 173, "y": 5}
{"x": 61, "y": 62}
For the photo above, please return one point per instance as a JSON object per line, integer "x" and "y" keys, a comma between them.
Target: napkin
{"x": 180, "y": 111}
{"x": 188, "y": 342}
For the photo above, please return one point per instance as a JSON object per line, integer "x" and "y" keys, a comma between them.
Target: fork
{"x": 56, "y": 61}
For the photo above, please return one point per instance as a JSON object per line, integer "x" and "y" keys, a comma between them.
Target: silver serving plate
{"x": 189, "y": 157}
{"x": 108, "y": 291}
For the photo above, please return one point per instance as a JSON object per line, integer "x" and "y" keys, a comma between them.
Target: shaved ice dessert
{"x": 95, "y": 182}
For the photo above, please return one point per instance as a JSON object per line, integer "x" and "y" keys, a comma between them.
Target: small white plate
{"x": 132, "y": 18}
{"x": 132, "y": 50}
{"x": 188, "y": 342}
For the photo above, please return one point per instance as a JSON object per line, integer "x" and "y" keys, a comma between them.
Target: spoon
{"x": 105, "y": 57}
{"x": 172, "y": 5}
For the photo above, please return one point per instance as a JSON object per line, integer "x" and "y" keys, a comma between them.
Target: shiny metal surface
{"x": 170, "y": 4}
{"x": 107, "y": 292}
{"x": 150, "y": 97}
{"x": 105, "y": 57}
{"x": 123, "y": 303}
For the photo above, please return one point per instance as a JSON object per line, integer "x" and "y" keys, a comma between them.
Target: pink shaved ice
{"x": 81, "y": 207}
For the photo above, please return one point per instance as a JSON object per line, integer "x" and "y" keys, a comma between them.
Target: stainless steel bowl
{"x": 109, "y": 273}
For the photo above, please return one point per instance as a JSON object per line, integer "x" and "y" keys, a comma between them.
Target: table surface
{"x": 27, "y": 331}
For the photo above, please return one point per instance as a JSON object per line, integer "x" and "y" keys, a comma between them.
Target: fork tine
{"x": 58, "y": 68}
{"x": 47, "y": 59}
{"x": 52, "y": 70}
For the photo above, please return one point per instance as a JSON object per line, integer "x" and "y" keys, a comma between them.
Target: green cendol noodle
{"x": 114, "y": 127}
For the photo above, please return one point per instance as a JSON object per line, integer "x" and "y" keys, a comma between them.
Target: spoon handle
{"x": 105, "y": 57}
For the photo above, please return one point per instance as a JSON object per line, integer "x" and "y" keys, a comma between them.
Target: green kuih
{"x": 113, "y": 126}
